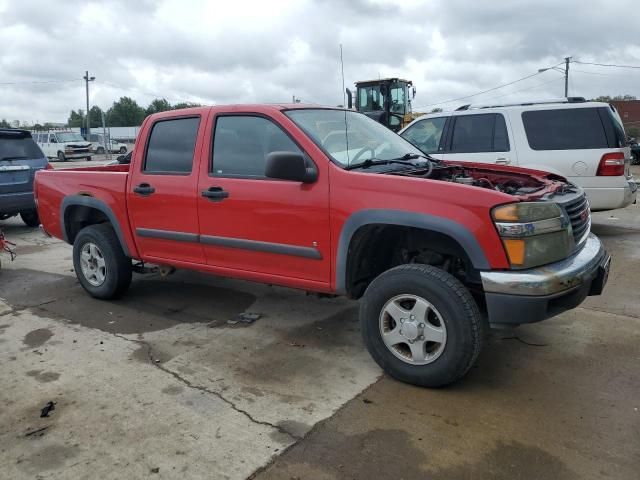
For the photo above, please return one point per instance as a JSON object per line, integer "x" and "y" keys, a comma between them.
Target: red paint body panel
{"x": 265, "y": 210}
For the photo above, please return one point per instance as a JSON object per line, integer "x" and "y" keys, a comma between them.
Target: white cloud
{"x": 256, "y": 51}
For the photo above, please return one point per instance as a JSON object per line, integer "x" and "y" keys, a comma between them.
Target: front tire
{"x": 61, "y": 156}
{"x": 30, "y": 218}
{"x": 100, "y": 150}
{"x": 100, "y": 264}
{"x": 421, "y": 325}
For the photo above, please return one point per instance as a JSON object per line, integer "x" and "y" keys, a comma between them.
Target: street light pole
{"x": 567, "y": 60}
{"x": 88, "y": 79}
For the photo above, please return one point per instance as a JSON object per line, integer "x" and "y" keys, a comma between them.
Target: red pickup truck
{"x": 330, "y": 201}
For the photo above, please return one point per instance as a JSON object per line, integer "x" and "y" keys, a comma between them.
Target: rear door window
{"x": 485, "y": 132}
{"x": 171, "y": 146}
{"x": 569, "y": 129}
{"x": 18, "y": 146}
{"x": 426, "y": 134}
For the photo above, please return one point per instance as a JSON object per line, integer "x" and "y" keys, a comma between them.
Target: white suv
{"x": 582, "y": 141}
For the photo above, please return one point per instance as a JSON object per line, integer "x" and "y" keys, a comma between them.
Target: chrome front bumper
{"x": 551, "y": 279}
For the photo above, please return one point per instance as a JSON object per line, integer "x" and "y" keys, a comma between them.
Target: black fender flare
{"x": 408, "y": 219}
{"x": 86, "y": 201}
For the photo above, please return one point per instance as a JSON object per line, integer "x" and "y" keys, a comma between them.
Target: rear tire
{"x": 100, "y": 263}
{"x": 61, "y": 157}
{"x": 30, "y": 218}
{"x": 443, "y": 329}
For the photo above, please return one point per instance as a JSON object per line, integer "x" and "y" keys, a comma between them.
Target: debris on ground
{"x": 48, "y": 408}
{"x": 296, "y": 344}
{"x": 245, "y": 318}
{"x": 366, "y": 400}
{"x": 155, "y": 470}
{"x": 531, "y": 344}
{"x": 38, "y": 432}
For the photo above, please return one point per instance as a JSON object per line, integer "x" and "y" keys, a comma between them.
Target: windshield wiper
{"x": 374, "y": 161}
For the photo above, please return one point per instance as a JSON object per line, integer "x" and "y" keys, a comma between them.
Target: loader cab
{"x": 387, "y": 101}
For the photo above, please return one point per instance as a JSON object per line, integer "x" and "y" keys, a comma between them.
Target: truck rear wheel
{"x": 100, "y": 264}
{"x": 30, "y": 218}
{"x": 421, "y": 325}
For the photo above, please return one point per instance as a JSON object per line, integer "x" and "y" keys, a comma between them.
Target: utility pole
{"x": 567, "y": 60}
{"x": 88, "y": 79}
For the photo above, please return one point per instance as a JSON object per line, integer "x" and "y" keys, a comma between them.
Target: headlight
{"x": 533, "y": 233}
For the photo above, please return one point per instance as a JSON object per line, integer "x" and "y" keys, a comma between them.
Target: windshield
{"x": 69, "y": 137}
{"x": 351, "y": 138}
{"x": 370, "y": 99}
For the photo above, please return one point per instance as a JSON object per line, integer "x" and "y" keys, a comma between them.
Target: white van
{"x": 98, "y": 144}
{"x": 63, "y": 145}
{"x": 582, "y": 141}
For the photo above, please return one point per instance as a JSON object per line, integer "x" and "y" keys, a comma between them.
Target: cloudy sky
{"x": 267, "y": 51}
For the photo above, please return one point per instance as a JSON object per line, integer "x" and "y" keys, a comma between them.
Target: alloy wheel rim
{"x": 412, "y": 329}
{"x": 93, "y": 265}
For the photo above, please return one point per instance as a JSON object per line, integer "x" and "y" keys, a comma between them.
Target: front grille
{"x": 579, "y": 215}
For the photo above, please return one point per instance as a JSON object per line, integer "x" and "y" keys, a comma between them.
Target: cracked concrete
{"x": 159, "y": 379}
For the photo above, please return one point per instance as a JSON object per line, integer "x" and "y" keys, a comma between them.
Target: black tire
{"x": 118, "y": 266}
{"x": 61, "y": 156}
{"x": 465, "y": 328}
{"x": 30, "y": 218}
{"x": 88, "y": 159}
{"x": 123, "y": 150}
{"x": 100, "y": 150}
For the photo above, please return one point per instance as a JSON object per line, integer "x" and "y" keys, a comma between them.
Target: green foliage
{"x": 633, "y": 132}
{"x": 76, "y": 119}
{"x": 617, "y": 98}
{"x": 158, "y": 105}
{"x": 181, "y": 105}
{"x": 125, "y": 113}
{"x": 4, "y": 123}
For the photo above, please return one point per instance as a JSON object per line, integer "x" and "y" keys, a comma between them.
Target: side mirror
{"x": 53, "y": 140}
{"x": 120, "y": 158}
{"x": 290, "y": 166}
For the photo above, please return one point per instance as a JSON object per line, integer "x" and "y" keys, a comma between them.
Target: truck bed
{"x": 106, "y": 184}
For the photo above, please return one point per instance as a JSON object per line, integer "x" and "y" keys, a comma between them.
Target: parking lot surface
{"x": 166, "y": 383}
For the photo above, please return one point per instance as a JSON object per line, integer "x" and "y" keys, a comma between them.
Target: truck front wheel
{"x": 421, "y": 325}
{"x": 100, "y": 264}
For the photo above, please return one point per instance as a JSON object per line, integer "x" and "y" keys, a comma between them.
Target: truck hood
{"x": 523, "y": 183}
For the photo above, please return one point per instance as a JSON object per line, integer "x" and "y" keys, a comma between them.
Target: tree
{"x": 76, "y": 119}
{"x": 181, "y": 105}
{"x": 436, "y": 110}
{"x": 125, "y": 113}
{"x": 617, "y": 98}
{"x": 95, "y": 116}
{"x": 158, "y": 105}
{"x": 4, "y": 123}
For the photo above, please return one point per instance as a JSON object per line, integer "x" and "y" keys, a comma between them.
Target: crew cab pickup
{"x": 330, "y": 201}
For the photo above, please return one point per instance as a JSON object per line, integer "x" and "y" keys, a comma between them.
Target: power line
{"x": 607, "y": 64}
{"x": 555, "y": 80}
{"x": 484, "y": 91}
{"x": 37, "y": 82}
{"x": 135, "y": 90}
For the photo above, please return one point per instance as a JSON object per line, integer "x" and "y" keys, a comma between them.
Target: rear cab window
{"x": 18, "y": 146}
{"x": 485, "y": 132}
{"x": 572, "y": 129}
{"x": 171, "y": 146}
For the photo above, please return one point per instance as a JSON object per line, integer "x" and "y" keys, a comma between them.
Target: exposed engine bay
{"x": 509, "y": 181}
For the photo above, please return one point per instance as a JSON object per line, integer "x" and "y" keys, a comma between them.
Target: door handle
{"x": 503, "y": 161}
{"x": 144, "y": 189}
{"x": 215, "y": 194}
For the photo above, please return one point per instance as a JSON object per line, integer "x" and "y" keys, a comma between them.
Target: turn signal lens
{"x": 515, "y": 249}
{"x": 506, "y": 213}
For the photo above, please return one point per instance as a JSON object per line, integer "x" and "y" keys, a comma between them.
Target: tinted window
{"x": 426, "y": 134}
{"x": 241, "y": 144}
{"x": 564, "y": 129}
{"x": 479, "y": 133}
{"x": 171, "y": 146}
{"x": 18, "y": 146}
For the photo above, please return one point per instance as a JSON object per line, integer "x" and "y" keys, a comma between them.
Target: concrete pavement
{"x": 160, "y": 385}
